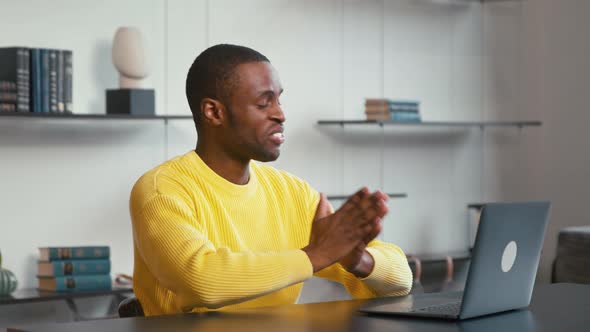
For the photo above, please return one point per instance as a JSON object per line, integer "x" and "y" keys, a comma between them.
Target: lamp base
{"x": 131, "y": 101}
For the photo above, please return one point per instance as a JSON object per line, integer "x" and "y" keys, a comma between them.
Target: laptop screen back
{"x": 505, "y": 257}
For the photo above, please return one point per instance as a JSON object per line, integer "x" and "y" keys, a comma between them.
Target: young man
{"x": 214, "y": 229}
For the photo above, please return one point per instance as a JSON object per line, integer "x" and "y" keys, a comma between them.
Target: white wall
{"x": 67, "y": 182}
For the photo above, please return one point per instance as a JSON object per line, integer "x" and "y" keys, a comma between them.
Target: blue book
{"x": 73, "y": 267}
{"x": 406, "y": 103}
{"x": 65, "y": 253}
{"x": 75, "y": 283}
{"x": 404, "y": 106}
{"x": 45, "y": 104}
{"x": 405, "y": 117}
{"x": 35, "y": 80}
{"x": 403, "y": 109}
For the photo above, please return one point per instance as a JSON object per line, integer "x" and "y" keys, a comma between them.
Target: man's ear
{"x": 213, "y": 111}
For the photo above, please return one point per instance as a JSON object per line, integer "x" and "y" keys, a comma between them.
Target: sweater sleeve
{"x": 391, "y": 275}
{"x": 179, "y": 254}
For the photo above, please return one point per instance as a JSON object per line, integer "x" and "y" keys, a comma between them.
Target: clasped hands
{"x": 343, "y": 236}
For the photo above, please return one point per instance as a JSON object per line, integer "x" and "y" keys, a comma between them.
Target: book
{"x": 405, "y": 117}
{"x": 394, "y": 116}
{"x": 8, "y": 96}
{"x": 7, "y": 107}
{"x": 51, "y": 80}
{"x": 53, "y": 89}
{"x": 60, "y": 81}
{"x": 45, "y": 81}
{"x": 63, "y": 253}
{"x": 68, "y": 81}
{"x": 384, "y": 109}
{"x": 376, "y": 101}
{"x": 73, "y": 267}
{"x": 376, "y": 108}
{"x": 75, "y": 283}
{"x": 35, "y": 85}
{"x": 15, "y": 72}
{"x": 378, "y": 116}
{"x": 369, "y": 109}
{"x": 390, "y": 102}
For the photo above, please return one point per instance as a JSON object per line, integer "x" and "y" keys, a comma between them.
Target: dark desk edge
{"x": 543, "y": 301}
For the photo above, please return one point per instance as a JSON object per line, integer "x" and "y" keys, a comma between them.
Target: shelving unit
{"x": 391, "y": 195}
{"x": 379, "y": 127}
{"x": 92, "y": 116}
{"x": 481, "y": 124}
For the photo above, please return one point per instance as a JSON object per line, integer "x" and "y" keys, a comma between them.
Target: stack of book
{"x": 36, "y": 80}
{"x": 71, "y": 269}
{"x": 383, "y": 109}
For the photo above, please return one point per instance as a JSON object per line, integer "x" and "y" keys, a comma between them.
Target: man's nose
{"x": 278, "y": 114}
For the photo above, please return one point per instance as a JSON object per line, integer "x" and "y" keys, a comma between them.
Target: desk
{"x": 31, "y": 295}
{"x": 557, "y": 307}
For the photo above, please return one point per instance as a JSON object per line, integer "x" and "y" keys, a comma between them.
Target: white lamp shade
{"x": 130, "y": 57}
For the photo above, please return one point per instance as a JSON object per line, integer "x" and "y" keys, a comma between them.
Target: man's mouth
{"x": 278, "y": 138}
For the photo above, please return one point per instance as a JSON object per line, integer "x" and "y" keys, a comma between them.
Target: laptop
{"x": 502, "y": 272}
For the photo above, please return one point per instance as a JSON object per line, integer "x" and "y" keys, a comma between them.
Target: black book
{"x": 60, "y": 81}
{"x": 68, "y": 80}
{"x": 15, "y": 78}
{"x": 53, "y": 90}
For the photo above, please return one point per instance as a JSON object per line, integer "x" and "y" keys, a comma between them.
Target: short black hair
{"x": 211, "y": 74}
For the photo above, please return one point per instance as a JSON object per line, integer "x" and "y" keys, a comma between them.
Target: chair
{"x": 573, "y": 256}
{"x": 416, "y": 284}
{"x": 427, "y": 275}
{"x": 130, "y": 307}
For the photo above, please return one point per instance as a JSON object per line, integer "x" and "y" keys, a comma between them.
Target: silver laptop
{"x": 502, "y": 272}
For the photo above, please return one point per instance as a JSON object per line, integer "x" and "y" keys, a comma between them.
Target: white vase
{"x": 130, "y": 57}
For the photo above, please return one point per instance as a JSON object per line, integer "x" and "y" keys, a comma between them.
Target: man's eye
{"x": 263, "y": 106}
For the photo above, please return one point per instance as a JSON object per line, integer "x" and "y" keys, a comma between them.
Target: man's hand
{"x": 359, "y": 261}
{"x": 336, "y": 236}
{"x": 324, "y": 209}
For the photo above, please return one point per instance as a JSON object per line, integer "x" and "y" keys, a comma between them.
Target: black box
{"x": 131, "y": 101}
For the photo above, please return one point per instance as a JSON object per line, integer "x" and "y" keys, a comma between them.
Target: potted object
{"x": 8, "y": 282}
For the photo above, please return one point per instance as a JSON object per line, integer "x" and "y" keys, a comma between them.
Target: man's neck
{"x": 234, "y": 171}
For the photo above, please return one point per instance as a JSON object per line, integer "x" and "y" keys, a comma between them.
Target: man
{"x": 214, "y": 229}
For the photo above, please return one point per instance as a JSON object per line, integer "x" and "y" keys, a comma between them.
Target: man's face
{"x": 254, "y": 129}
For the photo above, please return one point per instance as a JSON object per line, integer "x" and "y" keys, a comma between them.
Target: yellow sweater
{"x": 202, "y": 242}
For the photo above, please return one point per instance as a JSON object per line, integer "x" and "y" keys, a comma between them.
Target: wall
{"x": 556, "y": 90}
{"x": 67, "y": 182}
{"x": 536, "y": 68}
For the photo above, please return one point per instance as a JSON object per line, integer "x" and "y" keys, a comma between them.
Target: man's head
{"x": 233, "y": 92}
